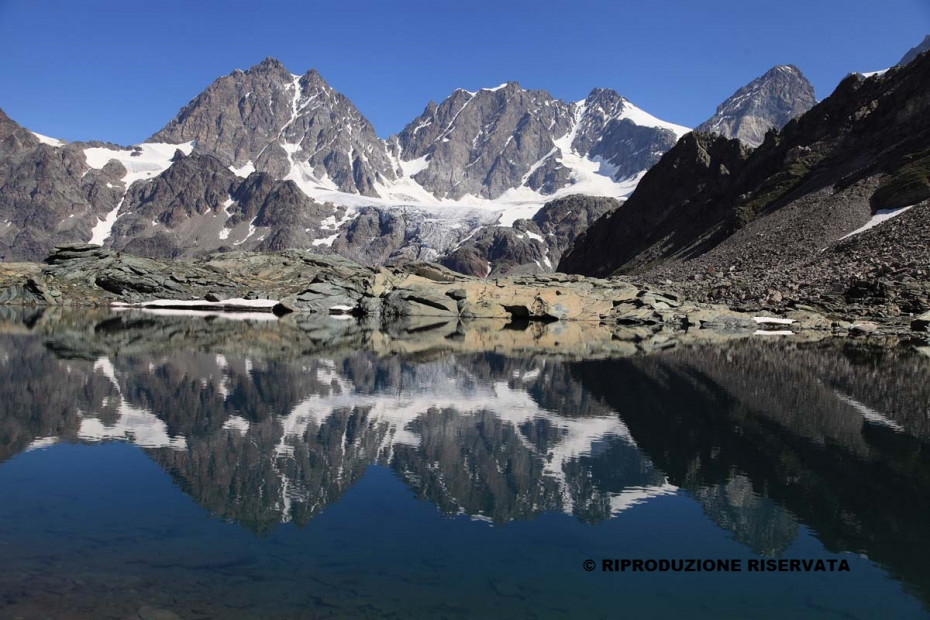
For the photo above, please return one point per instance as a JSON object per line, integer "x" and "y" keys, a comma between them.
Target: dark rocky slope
{"x": 711, "y": 210}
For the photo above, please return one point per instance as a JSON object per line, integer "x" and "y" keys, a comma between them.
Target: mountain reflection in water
{"x": 767, "y": 437}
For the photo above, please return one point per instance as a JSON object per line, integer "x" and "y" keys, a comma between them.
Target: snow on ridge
{"x": 49, "y": 141}
{"x": 143, "y": 161}
{"x": 645, "y": 119}
{"x": 496, "y": 88}
{"x": 868, "y": 74}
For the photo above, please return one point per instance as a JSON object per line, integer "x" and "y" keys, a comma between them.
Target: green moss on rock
{"x": 909, "y": 185}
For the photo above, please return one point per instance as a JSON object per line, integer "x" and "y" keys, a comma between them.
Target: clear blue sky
{"x": 118, "y": 71}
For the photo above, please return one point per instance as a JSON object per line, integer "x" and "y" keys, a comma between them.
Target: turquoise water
{"x": 456, "y": 485}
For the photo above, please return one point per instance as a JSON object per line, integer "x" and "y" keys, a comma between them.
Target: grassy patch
{"x": 775, "y": 187}
{"x": 910, "y": 184}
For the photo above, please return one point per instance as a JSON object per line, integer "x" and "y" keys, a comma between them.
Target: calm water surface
{"x": 214, "y": 469}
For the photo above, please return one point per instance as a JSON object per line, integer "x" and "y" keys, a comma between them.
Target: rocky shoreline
{"x": 414, "y": 295}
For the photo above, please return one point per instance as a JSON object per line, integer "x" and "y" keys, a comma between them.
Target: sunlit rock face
{"x": 768, "y": 102}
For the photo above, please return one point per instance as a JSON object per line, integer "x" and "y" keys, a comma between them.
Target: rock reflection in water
{"x": 262, "y": 441}
{"x": 259, "y": 430}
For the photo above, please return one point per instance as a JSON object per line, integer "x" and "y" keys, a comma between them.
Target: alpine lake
{"x": 158, "y": 465}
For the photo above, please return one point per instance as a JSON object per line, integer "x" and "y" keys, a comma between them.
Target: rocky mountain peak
{"x": 599, "y": 95}
{"x": 600, "y": 106}
{"x": 487, "y": 142}
{"x": 268, "y": 64}
{"x": 796, "y": 213}
{"x": 769, "y": 101}
{"x": 483, "y": 143}
{"x": 14, "y": 137}
{"x": 612, "y": 129}
{"x": 312, "y": 78}
{"x": 505, "y": 88}
{"x": 298, "y": 127}
{"x": 916, "y": 51}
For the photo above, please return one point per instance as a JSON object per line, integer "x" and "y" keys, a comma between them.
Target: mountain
{"x": 484, "y": 143}
{"x": 324, "y": 179}
{"x": 771, "y": 100}
{"x": 473, "y": 144}
{"x": 287, "y": 125}
{"x": 915, "y": 51}
{"x": 790, "y": 219}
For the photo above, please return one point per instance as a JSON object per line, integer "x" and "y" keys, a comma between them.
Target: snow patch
{"x": 145, "y": 161}
{"x": 252, "y": 230}
{"x": 873, "y": 73}
{"x": 771, "y": 320}
{"x": 41, "y": 442}
{"x": 235, "y": 302}
{"x": 644, "y": 119}
{"x": 102, "y": 229}
{"x": 49, "y": 141}
{"x": 244, "y": 170}
{"x": 204, "y": 314}
{"x": 327, "y": 241}
{"x": 238, "y": 424}
{"x": 414, "y": 166}
{"x": 882, "y": 215}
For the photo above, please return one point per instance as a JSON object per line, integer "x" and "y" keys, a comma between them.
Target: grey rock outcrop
{"x": 85, "y": 274}
{"x": 769, "y": 101}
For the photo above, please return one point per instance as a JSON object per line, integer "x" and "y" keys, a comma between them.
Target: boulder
{"x": 418, "y": 302}
{"x": 921, "y": 323}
